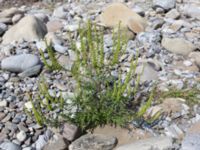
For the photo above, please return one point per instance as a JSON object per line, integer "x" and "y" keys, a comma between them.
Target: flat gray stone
{"x": 178, "y": 45}
{"x": 20, "y": 63}
{"x": 94, "y": 142}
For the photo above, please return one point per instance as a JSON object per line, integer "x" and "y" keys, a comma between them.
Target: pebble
{"x": 60, "y": 48}
{"x": 3, "y": 103}
{"x": 187, "y": 63}
{"x": 43, "y": 140}
{"x": 59, "y": 12}
{"x": 16, "y": 18}
{"x": 70, "y": 132}
{"x": 3, "y": 28}
{"x": 21, "y": 136}
{"x": 166, "y": 4}
{"x": 28, "y": 105}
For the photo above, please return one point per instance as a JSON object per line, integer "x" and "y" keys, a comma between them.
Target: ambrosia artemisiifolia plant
{"x": 99, "y": 98}
{"x": 53, "y": 63}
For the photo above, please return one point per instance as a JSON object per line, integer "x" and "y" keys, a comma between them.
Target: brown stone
{"x": 178, "y": 45}
{"x": 70, "y": 131}
{"x": 119, "y": 13}
{"x": 28, "y": 28}
{"x": 135, "y": 26}
{"x": 172, "y": 105}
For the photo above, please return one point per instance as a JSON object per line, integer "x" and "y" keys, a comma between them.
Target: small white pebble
{"x": 21, "y": 136}
{"x": 3, "y": 103}
{"x": 187, "y": 63}
{"x": 28, "y": 105}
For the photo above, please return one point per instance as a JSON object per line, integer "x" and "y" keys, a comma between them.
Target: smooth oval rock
{"x": 28, "y": 28}
{"x": 21, "y": 136}
{"x": 118, "y": 12}
{"x": 16, "y": 18}
{"x": 178, "y": 45}
{"x": 20, "y": 63}
{"x": 165, "y": 4}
